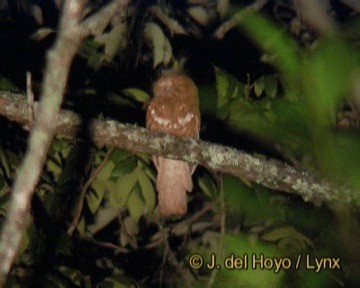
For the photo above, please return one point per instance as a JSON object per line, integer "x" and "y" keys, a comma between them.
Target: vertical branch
{"x": 59, "y": 58}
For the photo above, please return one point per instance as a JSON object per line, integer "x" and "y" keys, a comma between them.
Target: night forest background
{"x": 278, "y": 80}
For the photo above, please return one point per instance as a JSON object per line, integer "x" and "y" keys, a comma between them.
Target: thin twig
{"x": 222, "y": 231}
{"x": 96, "y": 24}
{"x": 131, "y": 238}
{"x": 108, "y": 245}
{"x": 173, "y": 26}
{"x": 85, "y": 188}
{"x": 153, "y": 244}
{"x": 122, "y": 250}
{"x": 183, "y": 227}
{"x": 30, "y": 95}
{"x": 353, "y": 4}
{"x": 168, "y": 255}
{"x": 205, "y": 3}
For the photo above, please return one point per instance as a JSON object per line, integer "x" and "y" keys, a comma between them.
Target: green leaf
{"x": 168, "y": 54}
{"x": 326, "y": 78}
{"x": 95, "y": 61}
{"x": 267, "y": 84}
{"x": 207, "y": 185}
{"x": 259, "y": 86}
{"x": 241, "y": 108}
{"x": 70, "y": 169}
{"x": 285, "y": 232}
{"x": 120, "y": 100}
{"x": 105, "y": 172}
{"x": 271, "y": 86}
{"x": 161, "y": 45}
{"x": 5, "y": 162}
{"x": 222, "y": 86}
{"x": 227, "y": 87}
{"x": 118, "y": 155}
{"x": 200, "y": 15}
{"x": 119, "y": 281}
{"x": 274, "y": 41}
{"x": 289, "y": 239}
{"x": 136, "y": 94}
{"x": 54, "y": 168}
{"x": 115, "y": 40}
{"x": 124, "y": 167}
{"x": 104, "y": 215}
{"x": 123, "y": 189}
{"x": 143, "y": 158}
{"x": 61, "y": 147}
{"x": 224, "y": 111}
{"x": 4, "y": 199}
{"x": 89, "y": 49}
{"x": 148, "y": 191}
{"x": 81, "y": 226}
{"x": 73, "y": 275}
{"x": 128, "y": 231}
{"x": 263, "y": 105}
{"x": 8, "y": 85}
{"x": 135, "y": 203}
{"x": 150, "y": 173}
{"x": 2, "y": 185}
{"x": 176, "y": 27}
{"x": 96, "y": 194}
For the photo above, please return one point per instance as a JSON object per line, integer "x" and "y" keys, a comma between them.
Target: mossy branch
{"x": 272, "y": 174}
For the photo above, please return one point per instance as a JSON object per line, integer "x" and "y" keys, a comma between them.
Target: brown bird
{"x": 174, "y": 110}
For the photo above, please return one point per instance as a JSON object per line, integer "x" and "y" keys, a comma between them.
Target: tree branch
{"x": 85, "y": 188}
{"x": 315, "y": 16}
{"x": 173, "y": 26}
{"x": 269, "y": 173}
{"x": 59, "y": 59}
{"x": 352, "y": 4}
{"x": 236, "y": 19}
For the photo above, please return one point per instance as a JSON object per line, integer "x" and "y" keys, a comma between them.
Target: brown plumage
{"x": 174, "y": 110}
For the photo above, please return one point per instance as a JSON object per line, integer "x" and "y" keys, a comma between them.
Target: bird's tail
{"x": 173, "y": 180}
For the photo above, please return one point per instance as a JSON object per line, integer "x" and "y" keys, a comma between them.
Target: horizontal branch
{"x": 272, "y": 174}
